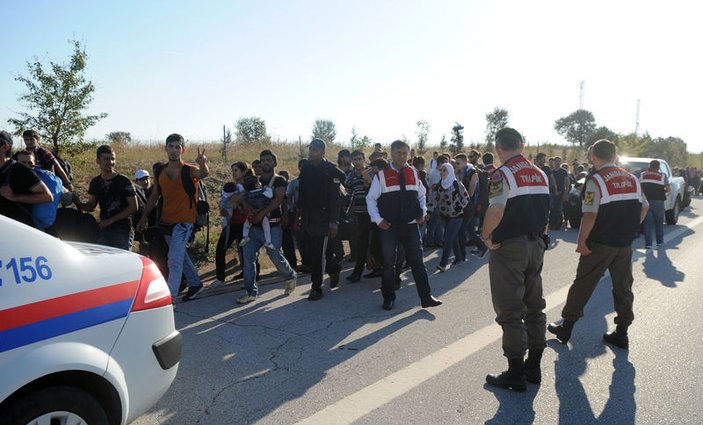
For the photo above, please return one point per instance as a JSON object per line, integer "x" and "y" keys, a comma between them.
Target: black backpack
{"x": 202, "y": 207}
{"x": 67, "y": 168}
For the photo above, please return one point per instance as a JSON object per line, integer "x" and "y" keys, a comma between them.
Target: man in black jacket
{"x": 319, "y": 206}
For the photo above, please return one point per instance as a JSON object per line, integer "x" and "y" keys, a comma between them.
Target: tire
{"x": 672, "y": 215}
{"x": 63, "y": 403}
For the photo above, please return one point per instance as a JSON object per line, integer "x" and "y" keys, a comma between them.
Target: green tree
{"x": 443, "y": 143}
{"x": 457, "y": 144}
{"x": 325, "y": 130}
{"x": 423, "y": 130}
{"x": 226, "y": 141}
{"x": 119, "y": 138}
{"x": 672, "y": 149}
{"x": 251, "y": 130}
{"x": 495, "y": 121}
{"x": 602, "y": 132}
{"x": 364, "y": 143}
{"x": 576, "y": 127}
{"x": 354, "y": 139}
{"x": 56, "y": 99}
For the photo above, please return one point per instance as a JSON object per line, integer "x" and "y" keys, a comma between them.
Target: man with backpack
{"x": 177, "y": 186}
{"x": 115, "y": 195}
{"x": 45, "y": 158}
{"x": 478, "y": 192}
{"x": 20, "y": 187}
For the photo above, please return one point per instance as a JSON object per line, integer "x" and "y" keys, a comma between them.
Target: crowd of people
{"x": 389, "y": 206}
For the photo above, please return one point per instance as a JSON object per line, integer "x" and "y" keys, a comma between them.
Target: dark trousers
{"x": 321, "y": 258}
{"x": 288, "y": 245}
{"x": 223, "y": 243}
{"x": 361, "y": 243}
{"x": 516, "y": 291}
{"x": 303, "y": 247}
{"x": 618, "y": 261}
{"x": 407, "y": 236}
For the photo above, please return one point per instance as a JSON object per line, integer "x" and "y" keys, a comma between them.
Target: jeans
{"x": 654, "y": 223}
{"x": 407, "y": 235}
{"x": 556, "y": 212}
{"x": 117, "y": 238}
{"x": 251, "y": 254}
{"x": 435, "y": 229}
{"x": 451, "y": 231}
{"x": 462, "y": 237}
{"x": 179, "y": 262}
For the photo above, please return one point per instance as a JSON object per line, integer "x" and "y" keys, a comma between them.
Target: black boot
{"x": 512, "y": 379}
{"x": 562, "y": 331}
{"x": 618, "y": 338}
{"x": 533, "y": 372}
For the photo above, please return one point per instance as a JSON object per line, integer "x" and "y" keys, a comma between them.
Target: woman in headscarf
{"x": 450, "y": 197}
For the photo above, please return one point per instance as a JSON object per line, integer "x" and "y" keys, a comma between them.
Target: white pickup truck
{"x": 674, "y": 198}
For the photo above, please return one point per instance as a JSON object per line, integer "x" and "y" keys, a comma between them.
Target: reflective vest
{"x": 527, "y": 209}
{"x": 398, "y": 202}
{"x": 618, "y": 219}
{"x": 653, "y": 184}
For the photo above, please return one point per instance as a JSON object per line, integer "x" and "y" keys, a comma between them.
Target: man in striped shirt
{"x": 357, "y": 183}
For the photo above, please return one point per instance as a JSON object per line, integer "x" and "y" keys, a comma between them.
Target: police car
{"x": 87, "y": 332}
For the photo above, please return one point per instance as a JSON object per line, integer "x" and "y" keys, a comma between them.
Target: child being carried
{"x": 258, "y": 198}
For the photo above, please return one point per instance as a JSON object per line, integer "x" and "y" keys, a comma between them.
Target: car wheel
{"x": 672, "y": 216}
{"x": 55, "y": 405}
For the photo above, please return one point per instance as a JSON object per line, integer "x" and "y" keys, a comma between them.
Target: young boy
{"x": 258, "y": 198}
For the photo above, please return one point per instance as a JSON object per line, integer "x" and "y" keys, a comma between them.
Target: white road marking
{"x": 362, "y": 402}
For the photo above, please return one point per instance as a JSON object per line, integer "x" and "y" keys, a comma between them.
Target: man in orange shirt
{"x": 178, "y": 213}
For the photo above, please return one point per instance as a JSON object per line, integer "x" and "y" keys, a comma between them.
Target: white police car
{"x": 87, "y": 332}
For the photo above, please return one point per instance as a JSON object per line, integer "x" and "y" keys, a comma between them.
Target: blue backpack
{"x": 44, "y": 215}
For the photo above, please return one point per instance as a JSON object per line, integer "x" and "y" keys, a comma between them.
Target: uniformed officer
{"x": 655, "y": 185}
{"x": 396, "y": 203}
{"x": 613, "y": 208}
{"x": 319, "y": 206}
{"x": 513, "y": 230}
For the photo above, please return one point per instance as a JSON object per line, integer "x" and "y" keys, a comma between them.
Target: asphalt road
{"x": 286, "y": 360}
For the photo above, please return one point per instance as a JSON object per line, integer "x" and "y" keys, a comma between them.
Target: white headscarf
{"x": 451, "y": 178}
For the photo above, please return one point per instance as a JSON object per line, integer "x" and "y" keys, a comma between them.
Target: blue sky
{"x": 380, "y": 66}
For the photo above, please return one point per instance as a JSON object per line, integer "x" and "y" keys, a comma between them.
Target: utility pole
{"x": 581, "y": 93}
{"x": 637, "y": 119}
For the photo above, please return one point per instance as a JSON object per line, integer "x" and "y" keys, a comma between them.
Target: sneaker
{"x": 217, "y": 283}
{"x": 458, "y": 261}
{"x": 648, "y": 247}
{"x": 193, "y": 292}
{"x": 290, "y": 285}
{"x": 269, "y": 246}
{"x": 441, "y": 269}
{"x": 246, "y": 299}
{"x": 244, "y": 241}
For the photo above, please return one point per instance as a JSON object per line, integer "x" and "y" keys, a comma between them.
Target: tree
{"x": 119, "y": 138}
{"x": 672, "y": 149}
{"x": 325, "y": 130}
{"x": 423, "y": 130}
{"x": 443, "y": 143}
{"x": 354, "y": 139}
{"x": 602, "y": 132}
{"x": 457, "y": 144}
{"x": 364, "y": 143}
{"x": 576, "y": 127}
{"x": 56, "y": 99}
{"x": 495, "y": 121}
{"x": 226, "y": 141}
{"x": 251, "y": 130}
